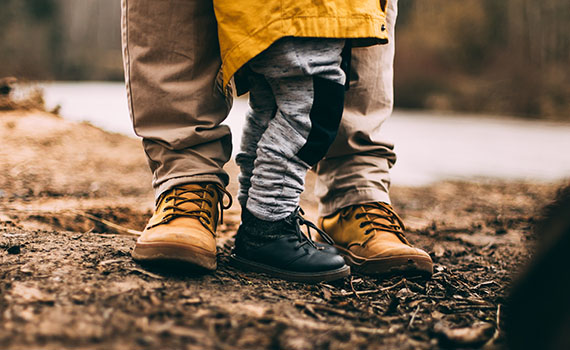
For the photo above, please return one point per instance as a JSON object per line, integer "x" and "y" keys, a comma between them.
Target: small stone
{"x": 501, "y": 231}
{"x": 27, "y": 269}
{"x": 403, "y": 293}
{"x": 15, "y": 249}
{"x": 145, "y": 340}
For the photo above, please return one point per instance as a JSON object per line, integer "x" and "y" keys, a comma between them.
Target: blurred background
{"x": 502, "y": 57}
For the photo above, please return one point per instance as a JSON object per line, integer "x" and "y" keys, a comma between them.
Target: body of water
{"x": 430, "y": 146}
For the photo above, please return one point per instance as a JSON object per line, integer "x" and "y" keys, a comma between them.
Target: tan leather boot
{"x": 183, "y": 227}
{"x": 371, "y": 238}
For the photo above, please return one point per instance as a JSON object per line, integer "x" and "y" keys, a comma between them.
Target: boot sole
{"x": 169, "y": 253}
{"x": 410, "y": 265}
{"x": 306, "y": 277}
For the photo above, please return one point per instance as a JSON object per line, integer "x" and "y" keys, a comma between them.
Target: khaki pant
{"x": 172, "y": 61}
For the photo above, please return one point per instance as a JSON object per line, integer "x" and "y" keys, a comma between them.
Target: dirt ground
{"x": 72, "y": 198}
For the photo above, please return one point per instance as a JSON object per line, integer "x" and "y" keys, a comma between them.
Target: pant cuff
{"x": 177, "y": 181}
{"x": 357, "y": 196}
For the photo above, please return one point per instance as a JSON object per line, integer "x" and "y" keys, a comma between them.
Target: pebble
{"x": 15, "y": 249}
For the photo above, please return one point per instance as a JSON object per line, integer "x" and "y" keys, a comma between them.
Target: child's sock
{"x": 255, "y": 233}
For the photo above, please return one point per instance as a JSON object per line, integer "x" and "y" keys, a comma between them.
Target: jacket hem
{"x": 365, "y": 30}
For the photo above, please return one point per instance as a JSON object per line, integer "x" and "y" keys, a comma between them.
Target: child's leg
{"x": 307, "y": 82}
{"x": 262, "y": 109}
{"x": 306, "y": 90}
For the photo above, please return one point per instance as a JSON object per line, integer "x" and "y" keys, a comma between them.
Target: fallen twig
{"x": 312, "y": 311}
{"x": 477, "y": 301}
{"x": 150, "y": 274}
{"x": 497, "y": 328}
{"x": 108, "y": 223}
{"x": 111, "y": 261}
{"x": 413, "y": 317}
{"x": 484, "y": 284}
{"x": 312, "y": 307}
{"x": 498, "y": 319}
{"x": 392, "y": 286}
{"x": 80, "y": 213}
{"x": 358, "y": 292}
{"x": 331, "y": 310}
{"x": 473, "y": 307}
{"x": 305, "y": 324}
{"x": 352, "y": 287}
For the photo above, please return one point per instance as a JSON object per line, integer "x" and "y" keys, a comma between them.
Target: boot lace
{"x": 385, "y": 220}
{"x": 180, "y": 196}
{"x": 301, "y": 237}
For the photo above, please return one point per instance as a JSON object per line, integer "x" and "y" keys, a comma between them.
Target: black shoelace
{"x": 301, "y": 237}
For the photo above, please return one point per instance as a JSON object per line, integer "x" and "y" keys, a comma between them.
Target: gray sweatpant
{"x": 296, "y": 103}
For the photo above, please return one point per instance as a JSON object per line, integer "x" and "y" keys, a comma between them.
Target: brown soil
{"x": 67, "y": 279}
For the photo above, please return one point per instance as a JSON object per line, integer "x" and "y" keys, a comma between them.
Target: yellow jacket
{"x": 247, "y": 27}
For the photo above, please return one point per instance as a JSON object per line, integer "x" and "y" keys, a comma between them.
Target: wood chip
{"x": 474, "y": 336}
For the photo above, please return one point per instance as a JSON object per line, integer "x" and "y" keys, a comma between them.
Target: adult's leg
{"x": 172, "y": 59}
{"x": 353, "y": 179}
{"x": 356, "y": 168}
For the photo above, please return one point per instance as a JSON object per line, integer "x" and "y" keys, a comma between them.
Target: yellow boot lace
{"x": 377, "y": 216}
{"x": 175, "y": 199}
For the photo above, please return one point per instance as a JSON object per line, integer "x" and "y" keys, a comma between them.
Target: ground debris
{"x": 73, "y": 283}
{"x": 26, "y": 293}
{"x": 92, "y": 284}
{"x": 473, "y": 336}
{"x": 15, "y": 249}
